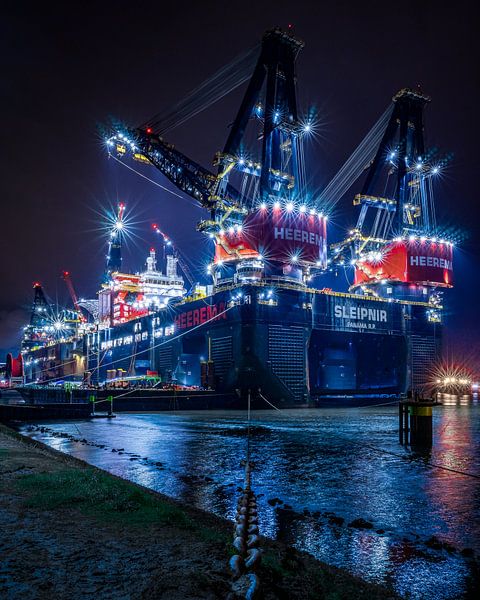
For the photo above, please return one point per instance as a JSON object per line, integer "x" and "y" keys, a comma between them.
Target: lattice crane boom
{"x": 68, "y": 281}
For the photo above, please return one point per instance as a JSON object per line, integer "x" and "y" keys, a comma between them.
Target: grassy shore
{"x": 71, "y": 530}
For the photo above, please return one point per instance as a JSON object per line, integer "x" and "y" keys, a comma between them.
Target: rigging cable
{"x": 154, "y": 182}
{"x": 355, "y": 164}
{"x": 221, "y": 83}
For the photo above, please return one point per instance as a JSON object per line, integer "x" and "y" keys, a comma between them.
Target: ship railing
{"x": 280, "y": 283}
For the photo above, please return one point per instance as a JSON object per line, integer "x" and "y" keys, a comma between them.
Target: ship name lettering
{"x": 297, "y": 235}
{"x": 361, "y": 313}
{"x": 198, "y": 316}
{"x": 430, "y": 261}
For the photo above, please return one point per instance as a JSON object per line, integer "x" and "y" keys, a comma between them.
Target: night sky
{"x": 66, "y": 68}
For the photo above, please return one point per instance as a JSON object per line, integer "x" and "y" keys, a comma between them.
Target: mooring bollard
{"x": 92, "y": 400}
{"x": 415, "y": 422}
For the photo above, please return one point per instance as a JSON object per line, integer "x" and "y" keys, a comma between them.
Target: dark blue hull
{"x": 287, "y": 346}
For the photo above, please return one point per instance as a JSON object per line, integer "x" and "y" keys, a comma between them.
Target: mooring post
{"x": 422, "y": 427}
{"x": 400, "y": 422}
{"x": 405, "y": 423}
{"x": 92, "y": 400}
{"x": 110, "y": 411}
{"x": 415, "y": 422}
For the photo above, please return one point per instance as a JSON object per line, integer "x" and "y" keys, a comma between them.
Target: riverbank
{"x": 71, "y": 530}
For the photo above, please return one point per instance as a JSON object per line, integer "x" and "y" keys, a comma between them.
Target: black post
{"x": 406, "y": 423}
{"x": 400, "y": 422}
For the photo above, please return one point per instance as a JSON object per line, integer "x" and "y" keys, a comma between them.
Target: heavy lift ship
{"x": 266, "y": 326}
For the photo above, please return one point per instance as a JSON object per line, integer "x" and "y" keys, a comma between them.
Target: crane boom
{"x": 186, "y": 174}
{"x": 66, "y": 277}
{"x": 183, "y": 265}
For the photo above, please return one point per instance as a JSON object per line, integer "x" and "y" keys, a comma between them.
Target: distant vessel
{"x": 268, "y": 323}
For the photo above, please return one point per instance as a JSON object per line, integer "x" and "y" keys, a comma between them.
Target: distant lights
{"x": 307, "y": 127}
{"x": 289, "y": 206}
{"x": 435, "y": 170}
{"x": 312, "y": 211}
{"x": 263, "y": 205}
{"x": 276, "y": 204}
{"x": 411, "y": 238}
{"x": 303, "y": 208}
{"x": 119, "y": 225}
{"x": 231, "y": 230}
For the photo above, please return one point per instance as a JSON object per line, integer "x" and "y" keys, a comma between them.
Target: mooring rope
{"x": 383, "y": 451}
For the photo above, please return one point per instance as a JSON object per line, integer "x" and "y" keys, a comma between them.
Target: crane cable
{"x": 221, "y": 83}
{"x": 152, "y": 181}
{"x": 355, "y": 164}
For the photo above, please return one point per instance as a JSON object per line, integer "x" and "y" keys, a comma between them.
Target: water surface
{"x": 342, "y": 461}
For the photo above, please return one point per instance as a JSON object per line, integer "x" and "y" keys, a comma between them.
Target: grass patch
{"x": 208, "y": 535}
{"x": 101, "y": 496}
{"x": 273, "y": 564}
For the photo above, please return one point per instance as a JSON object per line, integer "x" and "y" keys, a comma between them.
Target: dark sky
{"x": 66, "y": 67}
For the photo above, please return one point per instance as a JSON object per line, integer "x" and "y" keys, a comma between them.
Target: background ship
{"x": 268, "y": 322}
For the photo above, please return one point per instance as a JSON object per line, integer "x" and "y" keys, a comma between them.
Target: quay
{"x": 70, "y": 512}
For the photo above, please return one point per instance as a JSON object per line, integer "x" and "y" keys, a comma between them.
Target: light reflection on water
{"x": 346, "y": 461}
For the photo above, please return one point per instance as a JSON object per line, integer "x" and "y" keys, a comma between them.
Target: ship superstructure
{"x": 264, "y": 324}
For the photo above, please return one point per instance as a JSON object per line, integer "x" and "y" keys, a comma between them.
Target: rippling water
{"x": 342, "y": 461}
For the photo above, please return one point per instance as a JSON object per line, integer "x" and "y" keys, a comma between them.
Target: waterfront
{"x": 344, "y": 462}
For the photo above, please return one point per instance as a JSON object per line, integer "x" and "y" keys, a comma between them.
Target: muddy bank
{"x": 71, "y": 530}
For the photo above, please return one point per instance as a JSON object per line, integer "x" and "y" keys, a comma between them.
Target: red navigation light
{"x": 154, "y": 226}
{"x": 149, "y": 130}
{"x": 66, "y": 273}
{"x": 37, "y": 284}
{"x": 152, "y": 249}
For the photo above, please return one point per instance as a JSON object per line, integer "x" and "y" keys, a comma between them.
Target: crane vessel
{"x": 267, "y": 323}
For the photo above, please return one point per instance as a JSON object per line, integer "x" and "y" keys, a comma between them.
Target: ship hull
{"x": 285, "y": 346}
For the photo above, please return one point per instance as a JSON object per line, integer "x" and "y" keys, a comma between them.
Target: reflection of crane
{"x": 183, "y": 265}
{"x": 68, "y": 280}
